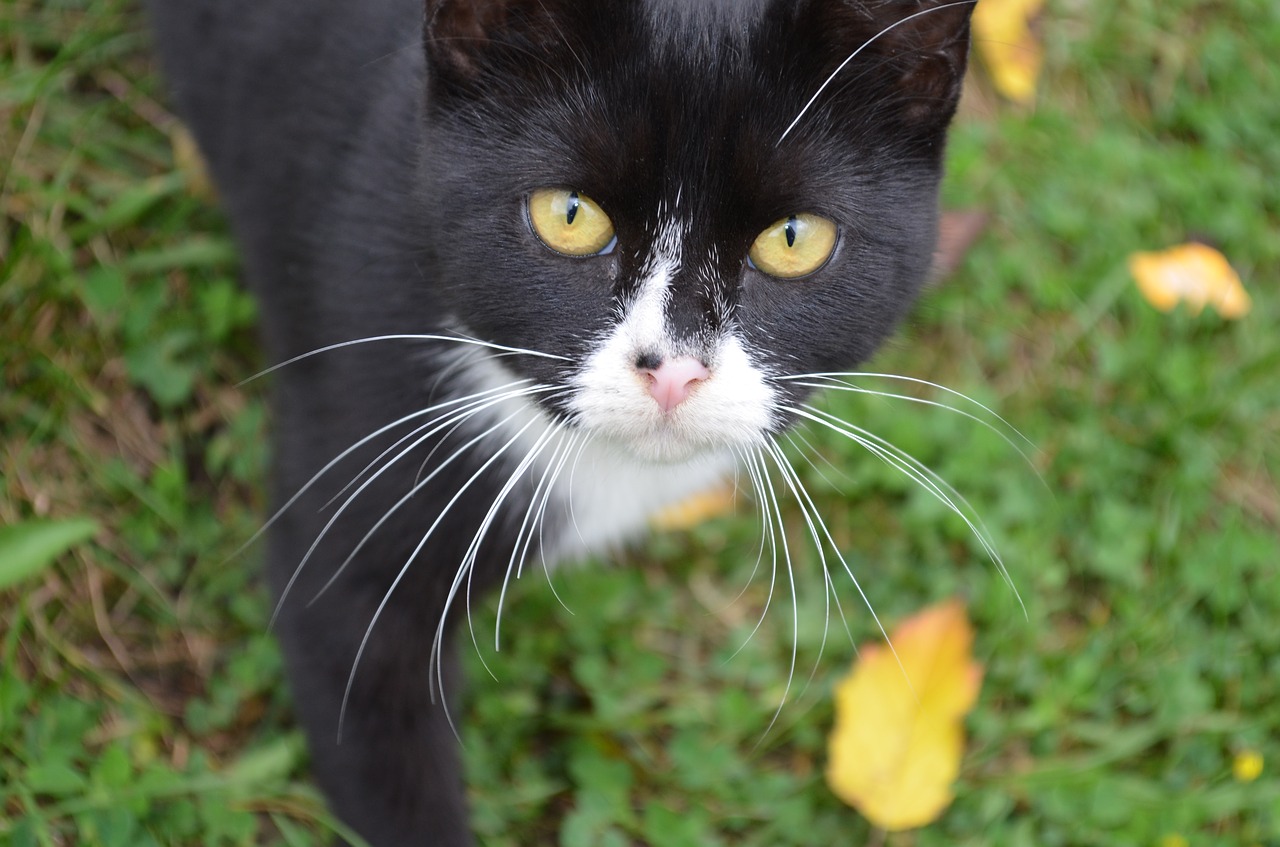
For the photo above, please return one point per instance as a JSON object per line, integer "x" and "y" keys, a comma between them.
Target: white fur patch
{"x": 603, "y": 494}
{"x": 626, "y": 457}
{"x": 732, "y": 407}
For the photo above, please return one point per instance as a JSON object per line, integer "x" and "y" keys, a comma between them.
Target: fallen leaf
{"x": 694, "y": 510}
{"x": 1009, "y": 48}
{"x": 189, "y": 161}
{"x": 1195, "y": 274}
{"x": 896, "y": 747}
{"x": 957, "y": 231}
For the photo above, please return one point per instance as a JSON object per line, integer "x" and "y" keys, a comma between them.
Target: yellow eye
{"x": 569, "y": 222}
{"x": 794, "y": 247}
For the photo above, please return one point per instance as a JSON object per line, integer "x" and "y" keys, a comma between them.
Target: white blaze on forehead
{"x": 644, "y": 323}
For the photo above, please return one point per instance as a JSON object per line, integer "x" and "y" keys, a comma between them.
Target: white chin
{"x": 664, "y": 445}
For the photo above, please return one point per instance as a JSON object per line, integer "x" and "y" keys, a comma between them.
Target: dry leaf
{"x": 1194, "y": 274}
{"x": 692, "y": 511}
{"x": 957, "y": 231}
{"x": 896, "y": 746}
{"x": 189, "y": 161}
{"x": 1012, "y": 54}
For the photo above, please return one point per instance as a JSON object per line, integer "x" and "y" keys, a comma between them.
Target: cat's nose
{"x": 672, "y": 380}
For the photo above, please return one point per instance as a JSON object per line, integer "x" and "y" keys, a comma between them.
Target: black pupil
{"x": 572, "y": 211}
{"x": 791, "y": 231}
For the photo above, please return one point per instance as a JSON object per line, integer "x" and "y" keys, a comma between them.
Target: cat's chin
{"x": 666, "y": 448}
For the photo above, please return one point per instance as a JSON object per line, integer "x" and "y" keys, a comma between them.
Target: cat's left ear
{"x": 464, "y": 38}
{"x": 927, "y": 43}
{"x": 920, "y": 47}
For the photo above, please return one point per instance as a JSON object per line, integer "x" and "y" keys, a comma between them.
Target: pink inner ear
{"x": 671, "y": 382}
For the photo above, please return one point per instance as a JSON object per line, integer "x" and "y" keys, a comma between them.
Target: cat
{"x": 537, "y": 268}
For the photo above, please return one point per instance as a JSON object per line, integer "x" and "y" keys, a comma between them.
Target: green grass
{"x": 140, "y": 700}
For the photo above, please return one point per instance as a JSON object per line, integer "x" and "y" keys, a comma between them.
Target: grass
{"x": 139, "y": 691}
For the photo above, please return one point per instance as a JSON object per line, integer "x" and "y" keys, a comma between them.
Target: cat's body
{"x": 380, "y": 187}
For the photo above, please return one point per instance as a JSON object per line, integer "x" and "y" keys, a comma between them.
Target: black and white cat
{"x": 565, "y": 262}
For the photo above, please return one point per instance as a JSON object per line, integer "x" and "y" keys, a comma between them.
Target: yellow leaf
{"x": 1194, "y": 274}
{"x": 1247, "y": 765}
{"x": 1009, "y": 49}
{"x": 692, "y": 511}
{"x": 895, "y": 750}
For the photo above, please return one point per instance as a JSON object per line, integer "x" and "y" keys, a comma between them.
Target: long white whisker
{"x": 921, "y": 473}
{"x": 334, "y": 461}
{"x": 924, "y": 476}
{"x": 573, "y": 471}
{"x": 808, "y": 452}
{"x": 759, "y": 472}
{"x": 803, "y": 494}
{"x": 542, "y": 544}
{"x": 864, "y": 46}
{"x": 795, "y": 606}
{"x": 811, "y": 515}
{"x": 759, "y": 497}
{"x": 436, "y": 666}
{"x": 889, "y": 395}
{"x": 524, "y": 535}
{"x": 473, "y": 550}
{"x": 534, "y": 517}
{"x": 418, "y": 486}
{"x": 841, "y": 377}
{"x": 374, "y": 477}
{"x": 454, "y": 339}
{"x": 444, "y": 614}
{"x": 468, "y": 403}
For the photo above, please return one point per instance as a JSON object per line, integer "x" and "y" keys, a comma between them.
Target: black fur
{"x": 373, "y": 160}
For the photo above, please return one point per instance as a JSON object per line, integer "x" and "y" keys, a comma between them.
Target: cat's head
{"x": 684, "y": 200}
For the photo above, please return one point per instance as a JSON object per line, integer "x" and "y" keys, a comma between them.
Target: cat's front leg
{"x": 393, "y": 773}
{"x": 366, "y": 692}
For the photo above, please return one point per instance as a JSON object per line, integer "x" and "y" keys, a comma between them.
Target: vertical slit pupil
{"x": 791, "y": 231}
{"x": 572, "y": 211}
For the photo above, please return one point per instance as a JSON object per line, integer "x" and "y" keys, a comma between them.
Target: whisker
{"x": 837, "y": 379}
{"x": 373, "y": 478}
{"x": 925, "y": 402}
{"x": 795, "y": 607}
{"x": 528, "y": 524}
{"x": 473, "y": 549}
{"x": 764, "y": 521}
{"x": 758, "y": 472}
{"x": 418, "y": 486}
{"x": 467, "y": 403}
{"x": 864, "y": 46}
{"x": 803, "y": 495}
{"x": 540, "y": 518}
{"x": 455, "y": 339}
{"x": 542, "y": 546}
{"x": 793, "y": 482}
{"x": 328, "y": 467}
{"x": 573, "y": 471}
{"x": 453, "y": 590}
{"x": 793, "y": 436}
{"x": 924, "y": 476}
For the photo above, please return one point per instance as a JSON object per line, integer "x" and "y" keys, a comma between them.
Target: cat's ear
{"x": 462, "y": 37}
{"x": 920, "y": 47}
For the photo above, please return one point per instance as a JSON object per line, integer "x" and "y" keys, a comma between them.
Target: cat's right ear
{"x": 463, "y": 38}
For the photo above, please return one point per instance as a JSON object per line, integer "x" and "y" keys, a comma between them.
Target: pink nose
{"x": 671, "y": 382}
